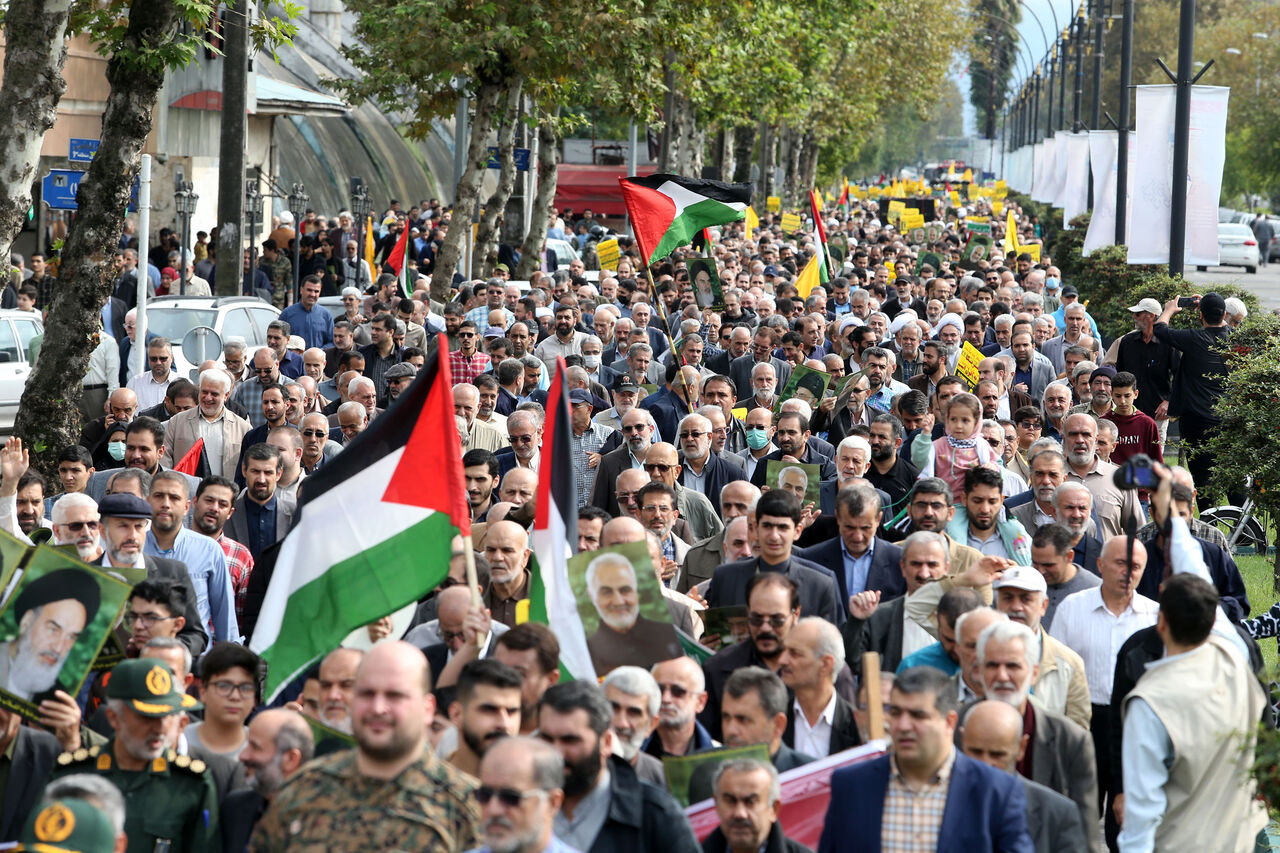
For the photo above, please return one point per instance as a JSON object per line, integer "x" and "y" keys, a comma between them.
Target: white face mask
{"x": 591, "y": 362}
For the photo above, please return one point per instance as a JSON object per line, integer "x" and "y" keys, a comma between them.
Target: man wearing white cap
{"x": 1021, "y": 593}
{"x": 1150, "y": 359}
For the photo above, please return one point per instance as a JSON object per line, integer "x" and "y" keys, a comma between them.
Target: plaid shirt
{"x": 240, "y": 565}
{"x": 589, "y": 442}
{"x": 466, "y": 369}
{"x": 912, "y": 818}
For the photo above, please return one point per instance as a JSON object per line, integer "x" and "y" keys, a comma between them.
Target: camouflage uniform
{"x": 328, "y": 805}
{"x": 170, "y": 806}
{"x": 281, "y": 274}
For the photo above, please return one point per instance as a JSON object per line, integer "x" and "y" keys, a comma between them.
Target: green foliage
{"x": 993, "y": 54}
{"x": 1246, "y": 443}
{"x": 1067, "y": 244}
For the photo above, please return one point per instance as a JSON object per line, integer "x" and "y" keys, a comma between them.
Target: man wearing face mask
{"x": 760, "y": 444}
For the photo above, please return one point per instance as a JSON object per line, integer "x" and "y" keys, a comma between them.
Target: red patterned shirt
{"x": 467, "y": 368}
{"x": 240, "y": 564}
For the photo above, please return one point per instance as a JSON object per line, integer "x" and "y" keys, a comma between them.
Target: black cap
{"x": 123, "y": 505}
{"x": 625, "y": 383}
{"x": 1070, "y": 290}
{"x": 58, "y": 585}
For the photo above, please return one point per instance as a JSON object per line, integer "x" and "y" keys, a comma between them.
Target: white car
{"x": 17, "y": 329}
{"x": 243, "y": 317}
{"x": 1237, "y": 247}
{"x": 563, "y": 251}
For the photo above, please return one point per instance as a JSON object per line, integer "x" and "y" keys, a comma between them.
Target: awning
{"x": 275, "y": 98}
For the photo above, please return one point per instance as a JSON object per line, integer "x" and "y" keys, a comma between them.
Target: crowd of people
{"x": 1065, "y": 659}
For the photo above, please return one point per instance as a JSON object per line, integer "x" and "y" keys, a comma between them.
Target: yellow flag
{"x": 968, "y": 175}
{"x": 753, "y": 221}
{"x": 1010, "y": 234}
{"x": 809, "y": 278}
{"x": 368, "y": 246}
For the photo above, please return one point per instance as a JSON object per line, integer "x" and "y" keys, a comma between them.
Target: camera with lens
{"x": 1136, "y": 473}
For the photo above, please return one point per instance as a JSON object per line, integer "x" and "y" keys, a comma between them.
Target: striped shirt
{"x": 1083, "y": 622}
{"x": 912, "y": 818}
{"x": 589, "y": 442}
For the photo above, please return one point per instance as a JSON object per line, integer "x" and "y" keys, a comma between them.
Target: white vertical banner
{"x": 1060, "y": 171}
{"x": 1075, "y": 193}
{"x": 1102, "y": 160}
{"x": 1044, "y": 164}
{"x": 1151, "y": 157}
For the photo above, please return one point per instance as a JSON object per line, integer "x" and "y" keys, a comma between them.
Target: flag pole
{"x": 666, "y": 331}
{"x": 473, "y": 582}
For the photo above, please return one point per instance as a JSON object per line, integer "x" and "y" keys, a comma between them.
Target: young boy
{"x": 229, "y": 690}
{"x": 1138, "y": 432}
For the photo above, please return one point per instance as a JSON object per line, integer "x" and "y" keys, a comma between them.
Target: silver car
{"x": 17, "y": 329}
{"x": 242, "y": 317}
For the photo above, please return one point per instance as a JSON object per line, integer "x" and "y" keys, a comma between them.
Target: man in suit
{"x": 674, "y": 400}
{"x": 762, "y": 346}
{"x": 225, "y": 429}
{"x": 700, "y": 469}
{"x": 32, "y": 753}
{"x": 727, "y": 546}
{"x": 960, "y": 805}
{"x": 777, "y": 515}
{"x": 992, "y": 734}
{"x": 263, "y": 513}
{"x": 1032, "y": 372}
{"x": 819, "y": 721}
{"x": 792, "y": 437}
{"x": 278, "y": 743}
{"x": 858, "y": 558}
{"x": 637, "y": 433}
{"x": 1061, "y": 756}
{"x": 881, "y": 626}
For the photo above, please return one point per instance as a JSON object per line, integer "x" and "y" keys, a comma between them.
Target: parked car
{"x": 242, "y": 317}
{"x": 1237, "y": 247}
{"x": 562, "y": 251}
{"x": 17, "y": 329}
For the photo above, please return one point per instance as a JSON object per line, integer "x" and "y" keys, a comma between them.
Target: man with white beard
{"x": 624, "y": 635}
{"x": 635, "y": 697}
{"x": 51, "y": 611}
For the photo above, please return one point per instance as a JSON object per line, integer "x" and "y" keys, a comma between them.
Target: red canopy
{"x": 596, "y": 187}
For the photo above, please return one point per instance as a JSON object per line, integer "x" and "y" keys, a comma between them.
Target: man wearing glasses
{"x": 522, "y": 782}
{"x": 229, "y": 690}
{"x": 266, "y": 367}
{"x": 155, "y": 610}
{"x": 150, "y": 386}
{"x": 466, "y": 362}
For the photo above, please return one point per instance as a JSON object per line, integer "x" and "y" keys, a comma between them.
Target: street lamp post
{"x": 1078, "y": 94}
{"x": 1122, "y": 140}
{"x": 298, "y": 199}
{"x": 361, "y": 208}
{"x": 253, "y": 212}
{"x": 184, "y": 203}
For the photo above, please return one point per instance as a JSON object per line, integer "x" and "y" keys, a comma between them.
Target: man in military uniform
{"x": 171, "y": 804}
{"x": 390, "y": 792}
{"x": 51, "y": 611}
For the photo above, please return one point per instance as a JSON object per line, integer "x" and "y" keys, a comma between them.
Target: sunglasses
{"x": 314, "y": 433}
{"x": 660, "y": 468}
{"x": 508, "y": 797}
{"x": 1030, "y": 424}
{"x": 677, "y": 691}
{"x": 77, "y": 526}
{"x": 755, "y": 620}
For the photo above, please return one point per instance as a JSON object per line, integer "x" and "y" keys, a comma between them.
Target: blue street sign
{"x": 82, "y": 150}
{"x": 520, "y": 155}
{"x": 58, "y": 189}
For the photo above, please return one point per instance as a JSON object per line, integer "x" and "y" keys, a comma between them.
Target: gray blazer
{"x": 1053, "y": 821}
{"x": 238, "y": 525}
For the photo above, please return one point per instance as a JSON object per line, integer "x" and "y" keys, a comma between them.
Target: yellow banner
{"x": 809, "y": 277}
{"x": 773, "y": 203}
{"x": 790, "y": 223}
{"x": 608, "y": 253}
{"x": 912, "y": 220}
{"x": 997, "y": 207}
{"x": 967, "y": 364}
{"x": 978, "y": 219}
{"x": 955, "y": 198}
{"x": 753, "y": 222}
{"x": 1032, "y": 249}
{"x": 893, "y": 274}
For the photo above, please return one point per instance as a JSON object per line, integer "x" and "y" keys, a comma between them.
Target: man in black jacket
{"x": 640, "y": 817}
{"x": 747, "y": 795}
{"x": 32, "y": 753}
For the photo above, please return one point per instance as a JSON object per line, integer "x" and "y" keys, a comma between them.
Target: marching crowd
{"x": 1065, "y": 656}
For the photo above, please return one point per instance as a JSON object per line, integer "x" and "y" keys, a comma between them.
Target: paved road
{"x": 1265, "y": 282}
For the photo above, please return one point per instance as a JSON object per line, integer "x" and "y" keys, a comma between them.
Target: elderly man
{"x": 277, "y": 743}
{"x": 533, "y": 770}
{"x": 992, "y": 734}
{"x": 747, "y": 795}
{"x": 266, "y": 366}
{"x": 222, "y": 430}
{"x": 662, "y": 465}
{"x": 684, "y": 694}
{"x": 703, "y": 470}
{"x": 466, "y": 402}
{"x": 624, "y": 634}
{"x": 1112, "y": 504}
{"x": 1061, "y": 754}
{"x": 524, "y": 432}
{"x": 736, "y": 499}
{"x": 819, "y": 721}
{"x": 635, "y": 697}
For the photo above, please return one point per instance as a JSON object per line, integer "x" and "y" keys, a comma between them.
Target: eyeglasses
{"x": 226, "y": 688}
{"x": 521, "y": 439}
{"x": 995, "y": 442}
{"x": 677, "y": 691}
{"x": 755, "y": 620}
{"x": 145, "y": 620}
{"x": 264, "y": 369}
{"x": 655, "y": 508}
{"x": 314, "y": 433}
{"x": 466, "y": 334}
{"x": 693, "y": 434}
{"x": 77, "y": 526}
{"x": 508, "y": 797}
{"x": 634, "y": 428}
{"x": 157, "y": 358}
{"x": 657, "y": 466}
{"x": 449, "y": 636}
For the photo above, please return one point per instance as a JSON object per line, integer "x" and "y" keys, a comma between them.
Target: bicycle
{"x": 1242, "y": 528}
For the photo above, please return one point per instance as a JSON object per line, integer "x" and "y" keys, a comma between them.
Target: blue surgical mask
{"x": 115, "y": 449}
{"x": 1051, "y": 283}
{"x": 757, "y": 438}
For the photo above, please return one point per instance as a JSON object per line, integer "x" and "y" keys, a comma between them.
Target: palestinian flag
{"x": 667, "y": 210}
{"x": 843, "y": 201}
{"x": 195, "y": 461}
{"x": 374, "y": 530}
{"x": 820, "y": 231}
{"x": 555, "y": 536}
{"x": 397, "y": 261}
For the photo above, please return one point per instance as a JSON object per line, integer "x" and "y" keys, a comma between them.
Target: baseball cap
{"x": 1070, "y": 290}
{"x": 771, "y": 270}
{"x": 578, "y": 396}
{"x": 148, "y": 686}
{"x": 296, "y": 343}
{"x": 68, "y": 824}
{"x": 1021, "y": 577}
{"x": 494, "y": 332}
{"x": 1213, "y": 302}
{"x": 124, "y": 506}
{"x": 625, "y": 383}
{"x": 1148, "y": 306}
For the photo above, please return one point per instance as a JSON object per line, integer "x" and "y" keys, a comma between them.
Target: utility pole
{"x": 1181, "y": 136}
{"x": 231, "y": 145}
{"x": 1062, "y": 80}
{"x": 1122, "y": 133}
{"x": 1078, "y": 94}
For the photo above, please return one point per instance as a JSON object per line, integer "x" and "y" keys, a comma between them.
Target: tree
{"x": 539, "y": 219}
{"x": 142, "y": 40}
{"x": 486, "y": 254}
{"x": 35, "y": 37}
{"x": 992, "y": 57}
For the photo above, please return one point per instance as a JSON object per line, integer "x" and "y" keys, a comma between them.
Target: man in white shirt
{"x": 819, "y": 722}
{"x": 151, "y": 385}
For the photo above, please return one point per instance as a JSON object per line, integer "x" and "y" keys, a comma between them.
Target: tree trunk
{"x": 35, "y": 50}
{"x": 47, "y": 417}
{"x": 744, "y": 143}
{"x": 725, "y": 153}
{"x": 767, "y": 147}
{"x": 665, "y": 153}
{"x": 794, "y": 179}
{"x": 809, "y": 161}
{"x": 485, "y": 257}
{"x": 697, "y": 146}
{"x": 540, "y": 218}
{"x": 464, "y": 203}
